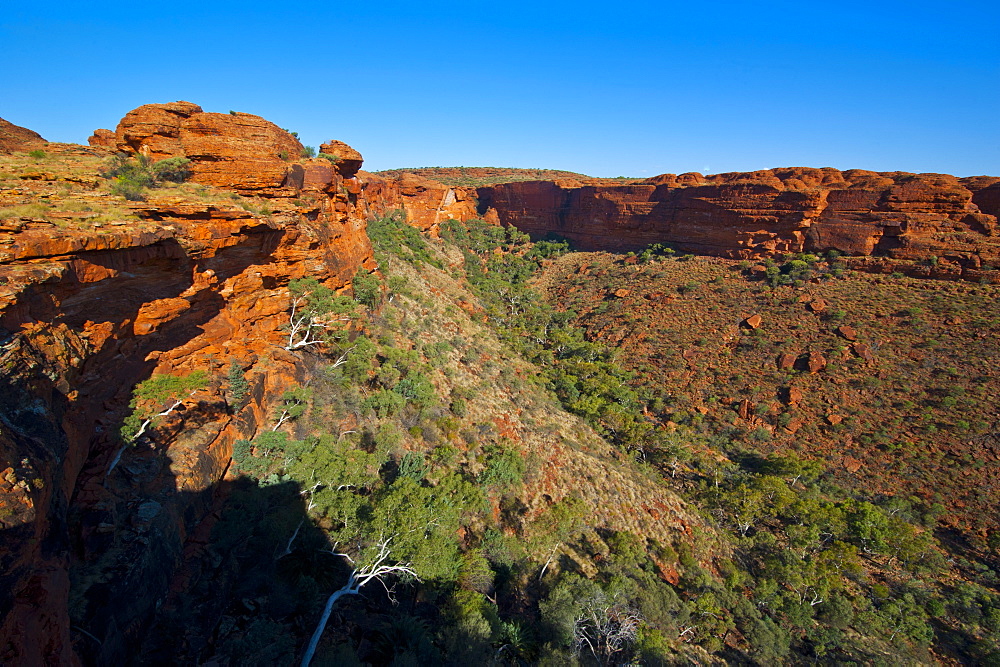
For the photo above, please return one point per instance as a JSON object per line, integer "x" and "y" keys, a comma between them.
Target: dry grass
{"x": 917, "y": 416}
{"x": 64, "y": 188}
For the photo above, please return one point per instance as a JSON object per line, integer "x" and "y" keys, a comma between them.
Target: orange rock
{"x": 794, "y": 425}
{"x": 864, "y": 351}
{"x": 745, "y": 408}
{"x": 239, "y": 151}
{"x": 794, "y": 395}
{"x": 816, "y": 362}
{"x": 767, "y": 213}
{"x": 235, "y": 150}
{"x": 154, "y": 129}
{"x": 153, "y": 314}
{"x": 834, "y": 419}
{"x": 818, "y": 305}
{"x": 428, "y": 203}
{"x": 753, "y": 321}
{"x": 621, "y": 293}
{"x": 786, "y": 361}
{"x": 17, "y": 138}
{"x": 847, "y": 332}
{"x": 202, "y": 287}
{"x": 348, "y": 161}
{"x": 103, "y": 139}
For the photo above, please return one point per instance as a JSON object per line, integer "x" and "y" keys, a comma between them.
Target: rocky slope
{"x": 17, "y": 138}
{"x": 98, "y": 295}
{"x": 900, "y": 216}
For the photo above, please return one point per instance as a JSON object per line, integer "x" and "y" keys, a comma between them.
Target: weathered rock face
{"x": 102, "y": 138}
{"x": 429, "y": 203}
{"x": 348, "y": 160}
{"x": 744, "y": 215}
{"x": 88, "y": 311}
{"x": 238, "y": 151}
{"x": 154, "y": 129}
{"x": 17, "y": 138}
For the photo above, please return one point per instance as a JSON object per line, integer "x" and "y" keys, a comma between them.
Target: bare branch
{"x": 288, "y": 547}
{"x": 360, "y": 576}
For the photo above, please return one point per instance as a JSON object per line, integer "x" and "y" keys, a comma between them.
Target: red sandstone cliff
{"x": 428, "y": 203}
{"x": 896, "y": 215}
{"x": 89, "y": 310}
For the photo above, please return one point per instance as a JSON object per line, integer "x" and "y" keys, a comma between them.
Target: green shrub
{"x": 174, "y": 169}
{"x": 133, "y": 174}
{"x": 308, "y": 151}
{"x": 127, "y": 189}
{"x": 152, "y": 398}
{"x": 384, "y": 403}
{"x": 416, "y": 388}
{"x": 238, "y": 385}
{"x": 367, "y": 289}
{"x": 37, "y": 154}
{"x": 392, "y": 236}
{"x": 504, "y": 469}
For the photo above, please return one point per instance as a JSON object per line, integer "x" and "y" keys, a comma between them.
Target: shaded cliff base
{"x": 195, "y": 278}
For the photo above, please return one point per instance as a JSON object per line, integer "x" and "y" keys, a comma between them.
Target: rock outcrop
{"x": 89, "y": 310}
{"x": 897, "y": 215}
{"x": 238, "y": 151}
{"x": 17, "y": 138}
{"x": 428, "y": 203}
{"x": 347, "y": 160}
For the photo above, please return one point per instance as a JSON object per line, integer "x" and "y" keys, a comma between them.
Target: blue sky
{"x": 608, "y": 89}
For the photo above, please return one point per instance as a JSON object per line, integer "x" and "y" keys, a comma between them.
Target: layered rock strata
{"x": 900, "y": 216}
{"x": 428, "y": 203}
{"x": 88, "y": 310}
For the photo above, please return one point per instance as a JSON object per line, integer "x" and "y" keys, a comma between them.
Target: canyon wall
{"x": 428, "y": 203}
{"x": 901, "y": 216}
{"x": 88, "y": 310}
{"x": 199, "y": 283}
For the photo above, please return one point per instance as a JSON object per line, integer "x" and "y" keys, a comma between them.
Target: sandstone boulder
{"x": 102, "y": 138}
{"x": 240, "y": 151}
{"x": 794, "y": 395}
{"x": 818, "y": 305}
{"x": 863, "y": 351}
{"x": 237, "y": 150}
{"x": 847, "y": 332}
{"x": 348, "y": 161}
{"x": 815, "y": 362}
{"x": 786, "y": 361}
{"x": 154, "y": 129}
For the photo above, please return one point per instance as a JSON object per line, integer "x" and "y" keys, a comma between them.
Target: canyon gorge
{"x": 98, "y": 294}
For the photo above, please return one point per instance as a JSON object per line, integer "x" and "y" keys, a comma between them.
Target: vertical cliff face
{"x": 902, "y": 216}
{"x": 428, "y": 203}
{"x": 88, "y": 310}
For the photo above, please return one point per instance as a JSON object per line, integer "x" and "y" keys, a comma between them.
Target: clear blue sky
{"x": 607, "y": 89}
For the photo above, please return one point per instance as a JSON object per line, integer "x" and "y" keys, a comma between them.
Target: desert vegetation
{"x": 417, "y": 454}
